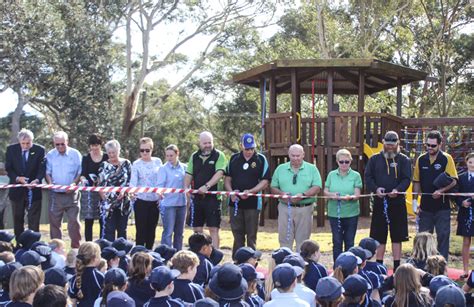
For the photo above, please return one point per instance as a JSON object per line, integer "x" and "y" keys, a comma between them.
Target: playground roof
{"x": 379, "y": 75}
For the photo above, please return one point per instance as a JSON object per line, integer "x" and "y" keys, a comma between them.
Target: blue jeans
{"x": 173, "y": 219}
{"x": 344, "y": 235}
{"x": 441, "y": 222}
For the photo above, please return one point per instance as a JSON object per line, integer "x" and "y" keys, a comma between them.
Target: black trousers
{"x": 88, "y": 228}
{"x": 33, "y": 214}
{"x": 146, "y": 220}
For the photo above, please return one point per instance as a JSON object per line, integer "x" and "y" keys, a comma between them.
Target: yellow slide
{"x": 369, "y": 152}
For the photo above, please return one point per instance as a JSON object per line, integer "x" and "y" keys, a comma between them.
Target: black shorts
{"x": 397, "y": 213}
{"x": 206, "y": 211}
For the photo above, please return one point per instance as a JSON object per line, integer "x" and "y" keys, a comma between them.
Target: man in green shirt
{"x": 205, "y": 168}
{"x": 300, "y": 179}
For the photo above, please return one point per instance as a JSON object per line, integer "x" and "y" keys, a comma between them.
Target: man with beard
{"x": 205, "y": 168}
{"x": 435, "y": 211}
{"x": 387, "y": 174}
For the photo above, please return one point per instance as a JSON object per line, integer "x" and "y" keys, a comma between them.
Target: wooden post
{"x": 330, "y": 126}
{"x": 273, "y": 95}
{"x": 295, "y": 107}
{"x": 399, "y": 97}
{"x": 365, "y": 208}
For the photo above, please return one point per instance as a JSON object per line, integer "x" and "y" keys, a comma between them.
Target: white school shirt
{"x": 286, "y": 300}
{"x": 303, "y": 292}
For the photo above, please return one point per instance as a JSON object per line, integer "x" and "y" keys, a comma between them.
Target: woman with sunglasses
{"x": 145, "y": 174}
{"x": 343, "y": 186}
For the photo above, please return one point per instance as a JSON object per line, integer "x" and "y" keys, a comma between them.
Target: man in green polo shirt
{"x": 300, "y": 179}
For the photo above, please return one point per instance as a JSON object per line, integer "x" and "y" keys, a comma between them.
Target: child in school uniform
{"x": 186, "y": 262}
{"x": 139, "y": 287}
{"x": 284, "y": 279}
{"x": 6, "y": 272}
{"x": 329, "y": 292}
{"x": 24, "y": 283}
{"x": 250, "y": 275}
{"x": 201, "y": 244}
{"x": 355, "y": 293}
{"x": 162, "y": 281}
{"x": 86, "y": 285}
{"x": 122, "y": 244}
{"x": 228, "y": 284}
{"x": 249, "y": 255}
{"x": 314, "y": 270}
{"x": 115, "y": 280}
{"x": 25, "y": 240}
{"x": 112, "y": 256}
{"x": 303, "y": 292}
{"x": 371, "y": 245}
{"x": 375, "y": 281}
{"x": 70, "y": 267}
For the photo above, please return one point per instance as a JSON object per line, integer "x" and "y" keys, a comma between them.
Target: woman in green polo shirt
{"x": 343, "y": 186}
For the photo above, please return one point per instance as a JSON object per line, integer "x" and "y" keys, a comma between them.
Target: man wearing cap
{"x": 24, "y": 163}
{"x": 435, "y": 210}
{"x": 387, "y": 174}
{"x": 302, "y": 180}
{"x": 246, "y": 172}
{"x": 205, "y": 168}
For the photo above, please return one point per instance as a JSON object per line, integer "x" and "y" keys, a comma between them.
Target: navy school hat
{"x": 228, "y": 283}
{"x": 162, "y": 276}
{"x": 115, "y": 276}
{"x": 248, "y": 271}
{"x": 27, "y": 238}
{"x": 369, "y": 244}
{"x": 206, "y": 302}
{"x": 348, "y": 262}
{"x": 55, "y": 276}
{"x": 157, "y": 260}
{"x": 119, "y": 299}
{"x": 103, "y": 243}
{"x": 283, "y": 275}
{"x": 355, "y": 285}
{"x": 297, "y": 262}
{"x": 243, "y": 254}
{"x": 123, "y": 244}
{"x": 31, "y": 258}
{"x": 7, "y": 270}
{"x": 438, "y": 282}
{"x": 110, "y": 253}
{"x": 6, "y": 236}
{"x": 360, "y": 252}
{"x": 451, "y": 295}
{"x": 165, "y": 251}
{"x": 280, "y": 254}
{"x": 137, "y": 249}
{"x": 216, "y": 256}
{"x": 328, "y": 289}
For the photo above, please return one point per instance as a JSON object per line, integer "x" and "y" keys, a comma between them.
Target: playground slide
{"x": 369, "y": 152}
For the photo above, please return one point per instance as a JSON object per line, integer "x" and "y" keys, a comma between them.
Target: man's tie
{"x": 23, "y": 161}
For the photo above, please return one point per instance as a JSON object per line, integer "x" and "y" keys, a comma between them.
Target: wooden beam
{"x": 330, "y": 125}
{"x": 273, "y": 95}
{"x": 399, "y": 97}
{"x": 444, "y": 121}
{"x": 361, "y": 94}
{"x": 295, "y": 107}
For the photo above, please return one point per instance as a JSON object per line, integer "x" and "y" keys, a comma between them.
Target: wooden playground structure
{"x": 361, "y": 132}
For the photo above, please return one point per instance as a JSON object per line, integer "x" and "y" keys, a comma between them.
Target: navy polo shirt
{"x": 17, "y": 304}
{"x": 4, "y": 296}
{"x": 187, "y": 291}
{"x": 140, "y": 291}
{"x": 246, "y": 174}
{"x": 375, "y": 267}
{"x": 203, "y": 271}
{"x": 164, "y": 301}
{"x": 254, "y": 300}
{"x": 92, "y": 281}
{"x": 238, "y": 303}
{"x": 314, "y": 272}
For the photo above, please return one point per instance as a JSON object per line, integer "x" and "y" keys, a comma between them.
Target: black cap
{"x": 360, "y": 252}
{"x": 115, "y": 276}
{"x": 55, "y": 276}
{"x": 165, "y": 251}
{"x": 228, "y": 282}
{"x": 31, "y": 258}
{"x": 137, "y": 249}
{"x": 6, "y": 236}
{"x": 280, "y": 254}
{"x": 27, "y": 238}
{"x": 157, "y": 260}
{"x": 284, "y": 275}
{"x": 243, "y": 254}
{"x": 119, "y": 299}
{"x": 109, "y": 253}
{"x": 162, "y": 276}
{"x": 391, "y": 138}
{"x": 7, "y": 270}
{"x": 355, "y": 285}
{"x": 103, "y": 243}
{"x": 248, "y": 271}
{"x": 123, "y": 244}
{"x": 369, "y": 244}
{"x": 297, "y": 262}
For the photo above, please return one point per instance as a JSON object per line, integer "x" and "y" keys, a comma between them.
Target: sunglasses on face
{"x": 431, "y": 145}
{"x": 294, "y": 178}
{"x": 145, "y": 150}
{"x": 59, "y": 144}
{"x": 344, "y": 162}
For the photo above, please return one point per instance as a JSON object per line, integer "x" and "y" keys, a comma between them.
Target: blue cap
{"x": 248, "y": 271}
{"x": 206, "y": 302}
{"x": 157, "y": 260}
{"x": 162, "y": 276}
{"x": 243, "y": 254}
{"x": 31, "y": 258}
{"x": 438, "y": 282}
{"x": 228, "y": 283}
{"x": 360, "y": 252}
{"x": 110, "y": 252}
{"x": 369, "y": 244}
{"x": 123, "y": 244}
{"x": 283, "y": 275}
{"x": 7, "y": 270}
{"x": 27, "y": 238}
{"x": 297, "y": 262}
{"x": 55, "y": 276}
{"x": 115, "y": 276}
{"x": 248, "y": 141}
{"x": 348, "y": 262}
{"x": 328, "y": 289}
{"x": 165, "y": 251}
{"x": 119, "y": 299}
{"x": 280, "y": 254}
{"x": 137, "y": 249}
{"x": 103, "y": 243}
{"x": 355, "y": 285}
{"x": 6, "y": 236}
{"x": 451, "y": 295}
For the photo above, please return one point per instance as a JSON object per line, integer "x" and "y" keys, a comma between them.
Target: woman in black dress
{"x": 89, "y": 175}
{"x": 465, "y": 214}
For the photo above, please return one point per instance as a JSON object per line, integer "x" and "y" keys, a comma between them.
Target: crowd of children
{"x": 103, "y": 273}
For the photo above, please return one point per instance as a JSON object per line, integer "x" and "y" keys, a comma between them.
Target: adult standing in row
{"x": 343, "y": 186}
{"x": 297, "y": 178}
{"x": 63, "y": 167}
{"x": 435, "y": 210}
{"x": 145, "y": 174}
{"x": 116, "y": 208}
{"x": 90, "y": 201}
{"x": 173, "y": 205}
{"x": 205, "y": 168}
{"x": 24, "y": 163}
{"x": 246, "y": 172}
{"x": 386, "y": 174}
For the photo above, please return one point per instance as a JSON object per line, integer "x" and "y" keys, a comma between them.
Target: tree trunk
{"x": 16, "y": 116}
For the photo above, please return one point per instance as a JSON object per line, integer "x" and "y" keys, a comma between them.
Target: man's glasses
{"x": 344, "y": 162}
{"x": 294, "y": 178}
{"x": 145, "y": 150}
{"x": 431, "y": 145}
{"x": 59, "y": 144}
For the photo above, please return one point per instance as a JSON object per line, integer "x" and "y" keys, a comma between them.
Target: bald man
{"x": 300, "y": 179}
{"x": 205, "y": 168}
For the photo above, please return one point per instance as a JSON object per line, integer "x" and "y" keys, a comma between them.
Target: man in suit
{"x": 25, "y": 163}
